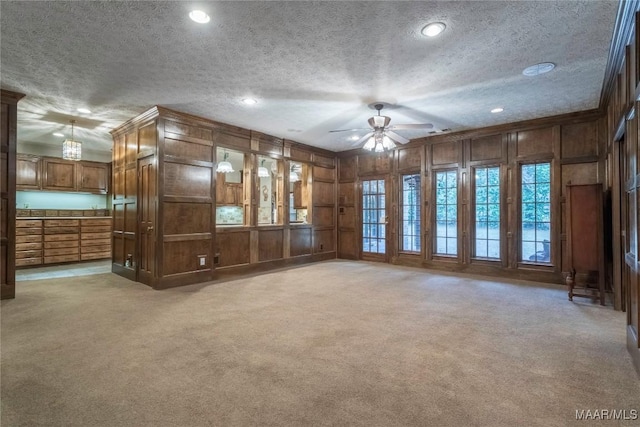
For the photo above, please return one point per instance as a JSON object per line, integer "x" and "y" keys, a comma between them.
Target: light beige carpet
{"x": 334, "y": 343}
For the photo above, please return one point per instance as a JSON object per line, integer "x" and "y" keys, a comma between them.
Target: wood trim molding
{"x": 622, "y": 33}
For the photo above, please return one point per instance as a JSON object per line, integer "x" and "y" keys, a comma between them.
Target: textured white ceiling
{"x": 312, "y": 66}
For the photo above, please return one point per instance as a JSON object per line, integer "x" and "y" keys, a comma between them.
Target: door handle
{"x": 149, "y": 229}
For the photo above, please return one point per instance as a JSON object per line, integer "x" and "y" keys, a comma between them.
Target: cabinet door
{"x": 230, "y": 194}
{"x": 297, "y": 195}
{"x": 93, "y": 177}
{"x": 59, "y": 175}
{"x": 28, "y": 173}
{"x": 239, "y": 194}
{"x": 220, "y": 189}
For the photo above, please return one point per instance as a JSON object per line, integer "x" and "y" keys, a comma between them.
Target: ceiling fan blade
{"x": 396, "y": 137}
{"x": 413, "y": 126}
{"x": 347, "y": 130}
{"x": 361, "y": 140}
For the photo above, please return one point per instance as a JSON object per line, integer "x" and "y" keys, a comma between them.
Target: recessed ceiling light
{"x": 433, "y": 29}
{"x": 497, "y": 110}
{"x": 84, "y": 111}
{"x": 249, "y": 101}
{"x": 61, "y": 135}
{"x": 537, "y": 69}
{"x": 199, "y": 16}
{"x": 354, "y": 138}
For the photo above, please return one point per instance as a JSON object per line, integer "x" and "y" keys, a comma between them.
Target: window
{"x": 229, "y": 187}
{"x": 410, "y": 240}
{"x": 268, "y": 188}
{"x": 447, "y": 213}
{"x": 487, "y": 233}
{"x": 536, "y": 212}
{"x": 373, "y": 216}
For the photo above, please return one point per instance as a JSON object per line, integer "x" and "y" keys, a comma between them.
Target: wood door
{"x": 59, "y": 175}
{"x": 147, "y": 220}
{"x": 93, "y": 177}
{"x": 374, "y": 217}
{"x": 28, "y": 172}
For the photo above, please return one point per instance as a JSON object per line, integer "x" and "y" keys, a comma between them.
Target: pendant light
{"x": 224, "y": 166}
{"x": 262, "y": 171}
{"x": 293, "y": 175}
{"x": 71, "y": 149}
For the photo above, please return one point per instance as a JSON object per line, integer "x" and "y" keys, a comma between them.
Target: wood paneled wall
{"x": 164, "y": 202}
{"x": 623, "y": 175}
{"x": 573, "y": 144}
{"x": 8, "y": 130}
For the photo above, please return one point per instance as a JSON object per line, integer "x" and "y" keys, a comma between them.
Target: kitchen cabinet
{"x": 93, "y": 177}
{"x": 28, "y": 174}
{"x": 59, "y": 175}
{"x": 300, "y": 195}
{"x": 53, "y": 174}
{"x": 28, "y": 242}
{"x": 228, "y": 193}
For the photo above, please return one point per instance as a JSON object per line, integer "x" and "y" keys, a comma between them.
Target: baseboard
{"x": 634, "y": 348}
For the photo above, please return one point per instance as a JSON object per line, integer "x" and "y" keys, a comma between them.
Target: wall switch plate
{"x": 202, "y": 260}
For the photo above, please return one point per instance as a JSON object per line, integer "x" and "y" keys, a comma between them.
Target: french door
{"x": 375, "y": 220}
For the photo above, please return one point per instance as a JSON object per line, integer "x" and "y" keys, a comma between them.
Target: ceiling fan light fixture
{"x": 199, "y": 16}
{"x": 387, "y": 143}
{"x": 433, "y": 29}
{"x": 370, "y": 144}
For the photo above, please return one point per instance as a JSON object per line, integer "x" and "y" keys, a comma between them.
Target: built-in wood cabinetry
{"x": 53, "y": 174}
{"x": 52, "y": 240}
{"x": 228, "y": 193}
{"x": 8, "y": 132}
{"x": 28, "y": 172}
{"x": 166, "y": 191}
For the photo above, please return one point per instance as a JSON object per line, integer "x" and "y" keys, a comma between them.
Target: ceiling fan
{"x": 383, "y": 137}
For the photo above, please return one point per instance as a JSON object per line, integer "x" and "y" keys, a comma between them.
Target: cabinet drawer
{"x": 60, "y": 230}
{"x": 61, "y": 222}
{"x": 95, "y": 255}
{"x": 28, "y": 261}
{"x": 93, "y": 236}
{"x": 60, "y": 237}
{"x": 84, "y": 243}
{"x": 103, "y": 222}
{"x": 29, "y": 254}
{"x": 62, "y": 244}
{"x": 28, "y": 223}
{"x": 29, "y": 239}
{"x": 28, "y": 231}
{"x": 60, "y": 251}
{"x": 28, "y": 246}
{"x": 96, "y": 229}
{"x": 61, "y": 258}
{"x": 97, "y": 248}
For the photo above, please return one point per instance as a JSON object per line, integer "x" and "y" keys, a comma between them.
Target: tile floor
{"x": 66, "y": 270}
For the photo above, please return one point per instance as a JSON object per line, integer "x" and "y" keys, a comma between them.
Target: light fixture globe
{"x": 262, "y": 171}
{"x": 224, "y": 166}
{"x": 370, "y": 145}
{"x": 71, "y": 149}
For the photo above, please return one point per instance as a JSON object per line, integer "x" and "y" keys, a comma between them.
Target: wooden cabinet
{"x": 52, "y": 174}
{"x": 59, "y": 175}
{"x": 57, "y": 231}
{"x": 28, "y": 242}
{"x": 228, "y": 193}
{"x": 95, "y": 238}
{"x": 28, "y": 174}
{"x": 585, "y": 241}
{"x": 93, "y": 177}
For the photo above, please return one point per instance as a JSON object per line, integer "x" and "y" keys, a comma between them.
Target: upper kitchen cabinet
{"x": 93, "y": 177}
{"x": 59, "y": 175}
{"x": 53, "y": 174}
{"x": 28, "y": 173}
